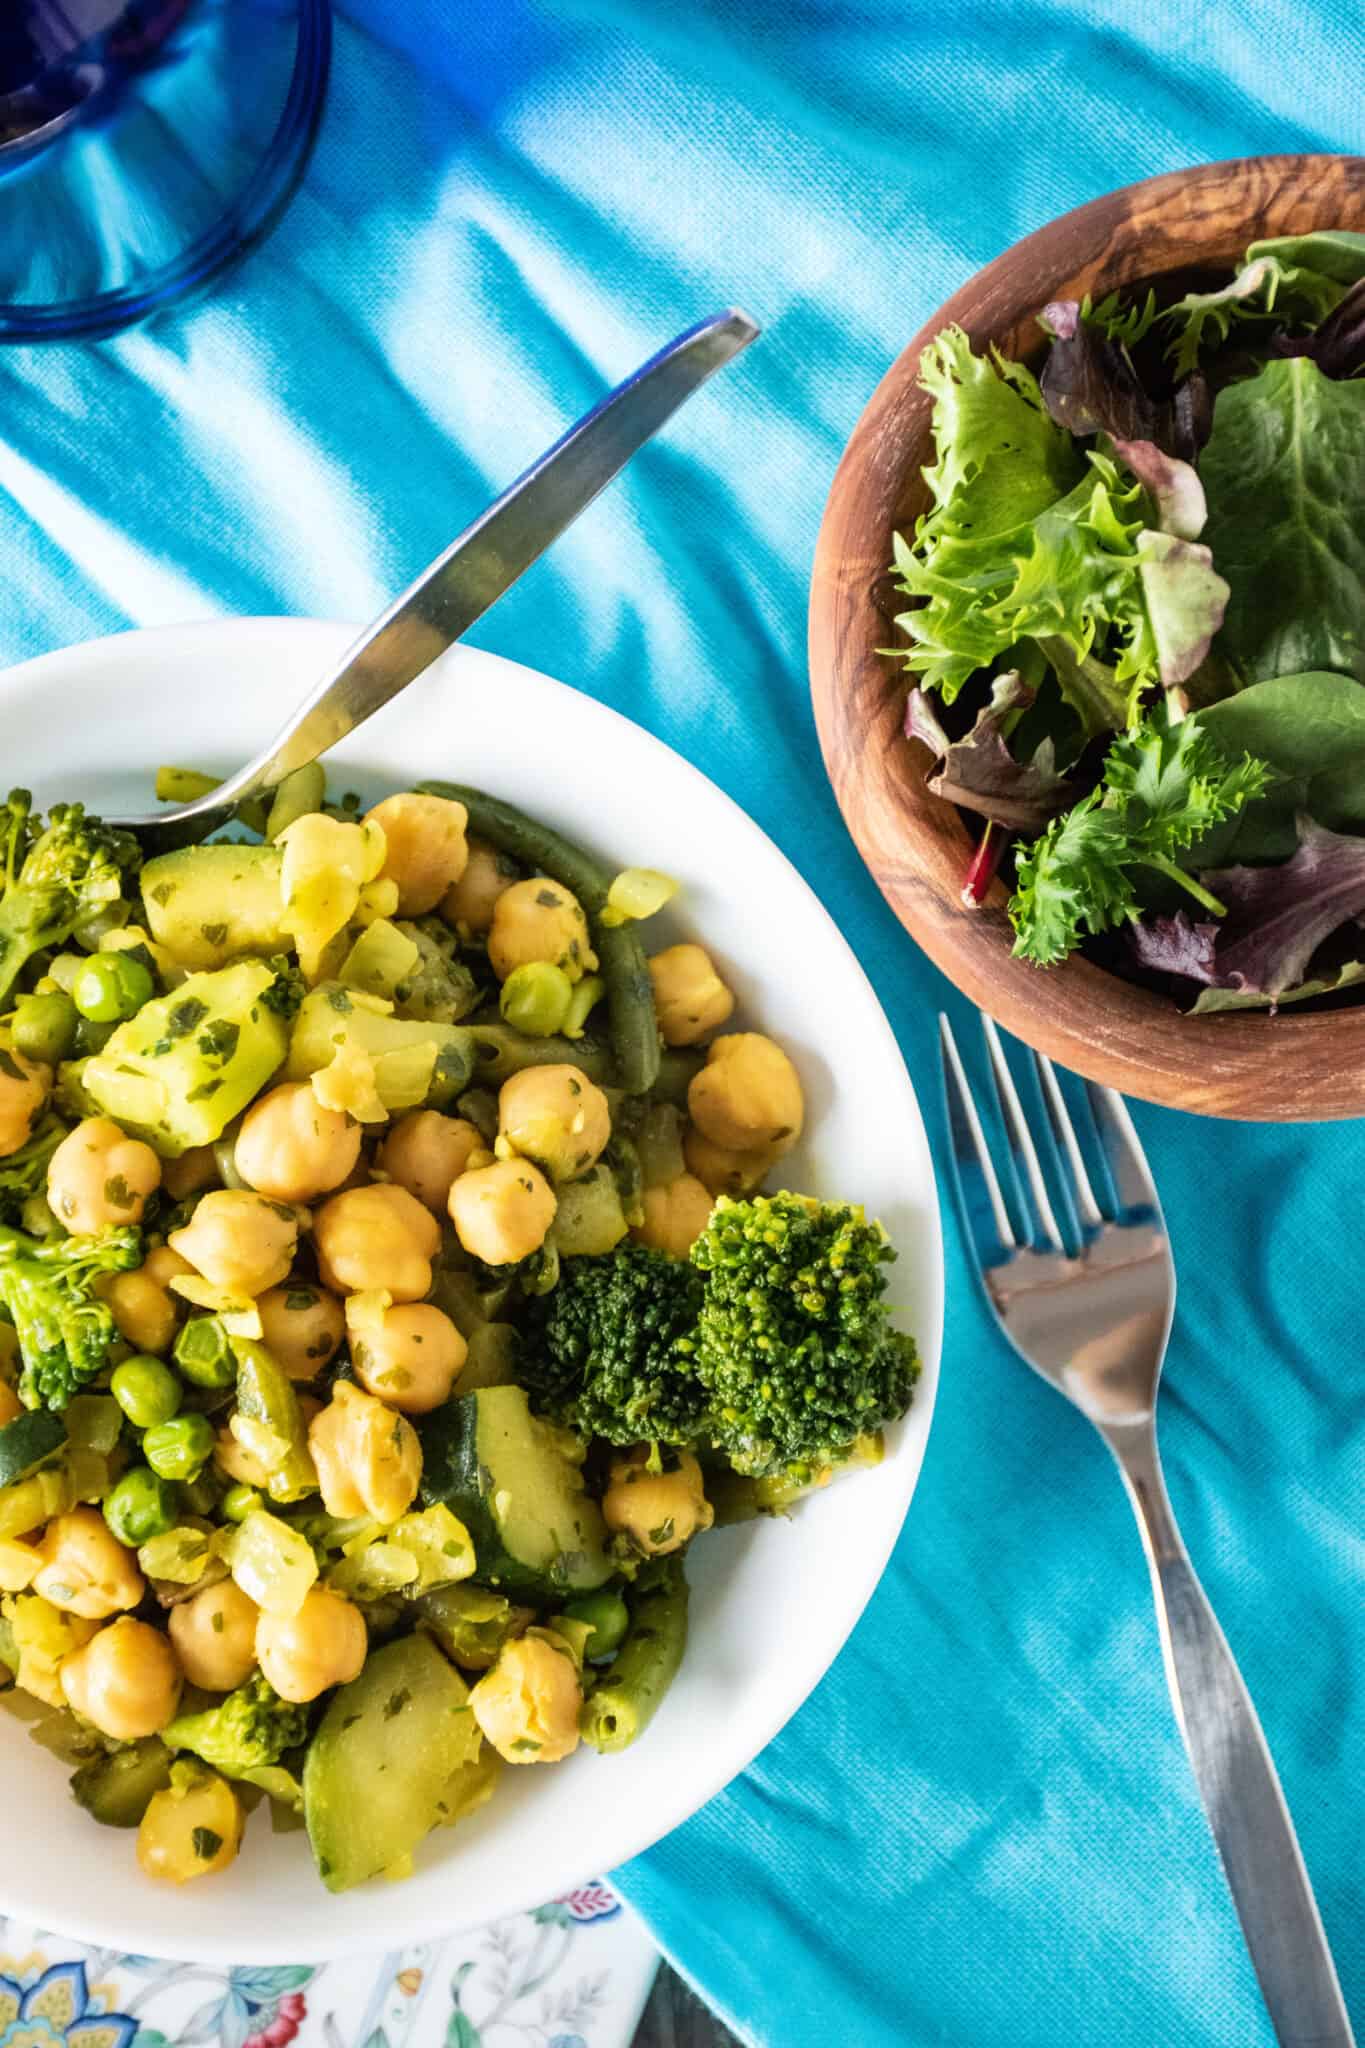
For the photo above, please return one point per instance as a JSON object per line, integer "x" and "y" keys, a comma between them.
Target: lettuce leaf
{"x": 979, "y": 773}
{"x": 1089, "y": 386}
{"x": 1296, "y": 279}
{"x": 1166, "y": 783}
{"x": 1028, "y": 539}
{"x": 1284, "y": 472}
{"x": 1275, "y": 920}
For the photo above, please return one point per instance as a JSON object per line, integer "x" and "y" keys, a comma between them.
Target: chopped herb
{"x": 185, "y": 1016}
{"x": 118, "y": 1194}
{"x": 396, "y": 1702}
{"x": 219, "y": 1042}
{"x": 207, "y": 1842}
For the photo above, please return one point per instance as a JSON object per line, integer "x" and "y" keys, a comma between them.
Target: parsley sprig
{"x": 1166, "y": 784}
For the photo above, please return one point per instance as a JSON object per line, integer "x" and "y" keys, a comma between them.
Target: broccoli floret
{"x": 793, "y": 1344}
{"x": 249, "y": 1730}
{"x": 611, "y": 1348}
{"x": 287, "y": 991}
{"x": 70, "y": 872}
{"x": 24, "y": 1173}
{"x": 64, "y": 1330}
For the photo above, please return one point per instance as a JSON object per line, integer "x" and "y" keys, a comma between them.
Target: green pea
{"x": 536, "y": 999}
{"x": 141, "y": 1506}
{"x": 606, "y": 1616}
{"x": 147, "y": 1391}
{"x": 240, "y": 1501}
{"x": 179, "y": 1449}
{"x": 204, "y": 1354}
{"x": 45, "y": 1027}
{"x": 110, "y": 986}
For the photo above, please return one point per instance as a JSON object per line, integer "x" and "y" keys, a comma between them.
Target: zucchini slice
{"x": 517, "y": 1487}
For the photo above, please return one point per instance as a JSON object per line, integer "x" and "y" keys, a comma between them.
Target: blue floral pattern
{"x": 574, "y": 1973}
{"x": 55, "y": 2008}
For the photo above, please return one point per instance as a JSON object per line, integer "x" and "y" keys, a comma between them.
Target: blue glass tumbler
{"x": 144, "y": 144}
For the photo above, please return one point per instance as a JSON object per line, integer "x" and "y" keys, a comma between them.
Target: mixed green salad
{"x": 1137, "y": 626}
{"x": 387, "y": 1300}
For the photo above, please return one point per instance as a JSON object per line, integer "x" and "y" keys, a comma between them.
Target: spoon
{"x": 472, "y": 573}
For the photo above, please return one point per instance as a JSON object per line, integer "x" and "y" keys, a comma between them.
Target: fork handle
{"x": 1236, "y": 1777}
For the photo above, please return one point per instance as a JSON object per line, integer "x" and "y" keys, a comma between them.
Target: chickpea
{"x": 125, "y": 1682}
{"x": 190, "y": 1173}
{"x": 539, "y": 920}
{"x": 722, "y": 1172}
{"x": 192, "y": 1828}
{"x": 368, "y": 1458}
{"x": 747, "y": 1095}
{"x": 239, "y": 1241}
{"x": 425, "y": 1152}
{"x": 689, "y": 995}
{"x": 85, "y": 1570}
{"x": 163, "y": 1265}
{"x": 502, "y": 1212}
{"x": 675, "y": 1216}
{"x": 528, "y": 1704}
{"x": 144, "y": 1310}
{"x": 426, "y": 849}
{"x": 556, "y": 1116}
{"x": 409, "y": 1356}
{"x": 301, "y": 1327}
{"x": 658, "y": 1511}
{"x": 469, "y": 903}
{"x": 376, "y": 1237}
{"x": 291, "y": 1149}
{"x": 24, "y": 1087}
{"x": 98, "y": 1177}
{"x": 214, "y": 1636}
{"x": 323, "y": 1644}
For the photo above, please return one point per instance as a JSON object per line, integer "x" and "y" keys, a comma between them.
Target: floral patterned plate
{"x": 572, "y": 1974}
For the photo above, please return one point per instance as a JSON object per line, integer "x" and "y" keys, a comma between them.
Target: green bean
{"x": 269, "y": 1422}
{"x": 678, "y": 1066}
{"x": 300, "y": 792}
{"x": 500, "y": 1052}
{"x": 183, "y": 785}
{"x": 634, "y": 1027}
{"x": 622, "y": 1706}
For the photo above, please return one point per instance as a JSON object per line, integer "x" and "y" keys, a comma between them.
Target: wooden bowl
{"x": 1234, "y": 1064}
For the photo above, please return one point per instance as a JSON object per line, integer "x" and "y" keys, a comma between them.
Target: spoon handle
{"x": 478, "y": 566}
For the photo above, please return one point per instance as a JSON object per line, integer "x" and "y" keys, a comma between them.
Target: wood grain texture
{"x": 917, "y": 848}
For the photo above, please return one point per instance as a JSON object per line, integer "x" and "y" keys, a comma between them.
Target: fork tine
{"x": 978, "y": 1189}
{"x": 1022, "y": 1147}
{"x": 1064, "y": 1131}
{"x": 1132, "y": 1177}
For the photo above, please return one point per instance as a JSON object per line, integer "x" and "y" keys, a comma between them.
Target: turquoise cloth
{"x": 981, "y": 1829}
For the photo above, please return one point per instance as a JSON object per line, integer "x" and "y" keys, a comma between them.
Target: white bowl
{"x": 771, "y": 1602}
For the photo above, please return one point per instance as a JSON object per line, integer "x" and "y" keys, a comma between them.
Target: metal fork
{"x": 1092, "y": 1314}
